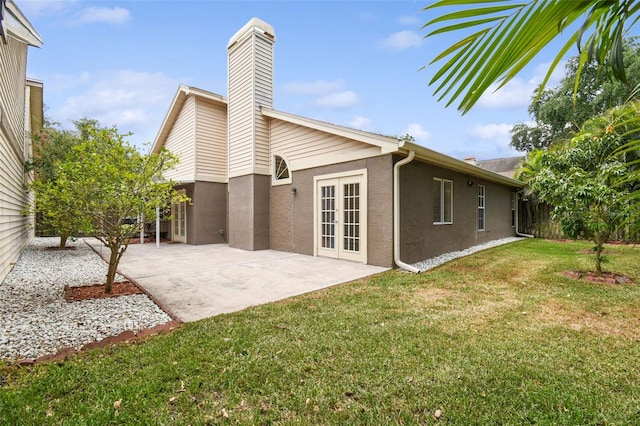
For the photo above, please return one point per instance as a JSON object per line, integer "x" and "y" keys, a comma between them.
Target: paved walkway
{"x": 196, "y": 282}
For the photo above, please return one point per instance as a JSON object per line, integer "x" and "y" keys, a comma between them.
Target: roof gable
{"x": 176, "y": 106}
{"x": 14, "y": 23}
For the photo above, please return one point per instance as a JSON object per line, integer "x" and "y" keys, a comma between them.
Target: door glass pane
{"x": 351, "y": 217}
{"x": 327, "y": 217}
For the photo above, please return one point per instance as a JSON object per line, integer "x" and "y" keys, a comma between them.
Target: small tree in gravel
{"x": 115, "y": 185}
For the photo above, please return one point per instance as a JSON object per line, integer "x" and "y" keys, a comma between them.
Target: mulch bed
{"x": 593, "y": 277}
{"x": 96, "y": 291}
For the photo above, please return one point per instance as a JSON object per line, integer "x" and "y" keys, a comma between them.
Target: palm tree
{"x": 500, "y": 37}
{"x": 505, "y": 36}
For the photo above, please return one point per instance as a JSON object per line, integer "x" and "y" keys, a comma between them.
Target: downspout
{"x": 518, "y": 233}
{"x": 396, "y": 214}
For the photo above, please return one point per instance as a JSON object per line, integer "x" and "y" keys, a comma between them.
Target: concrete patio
{"x": 200, "y": 281}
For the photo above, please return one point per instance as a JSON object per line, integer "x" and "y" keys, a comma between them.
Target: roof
{"x": 502, "y": 166}
{"x": 387, "y": 144}
{"x": 14, "y": 23}
{"x": 390, "y": 144}
{"x": 174, "y": 110}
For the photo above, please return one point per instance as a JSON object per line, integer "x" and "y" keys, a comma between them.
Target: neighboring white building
{"x": 21, "y": 112}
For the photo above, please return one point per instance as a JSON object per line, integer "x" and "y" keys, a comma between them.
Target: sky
{"x": 353, "y": 63}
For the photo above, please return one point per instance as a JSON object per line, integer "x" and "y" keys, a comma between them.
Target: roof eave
{"x": 19, "y": 27}
{"x": 440, "y": 159}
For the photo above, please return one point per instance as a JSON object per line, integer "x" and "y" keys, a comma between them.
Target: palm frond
{"x": 509, "y": 35}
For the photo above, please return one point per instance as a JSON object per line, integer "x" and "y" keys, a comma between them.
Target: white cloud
{"x": 518, "y": 92}
{"x": 318, "y": 87}
{"x": 344, "y": 99}
{"x": 409, "y": 20}
{"x": 359, "y": 122}
{"x": 134, "y": 101}
{"x": 33, "y": 8}
{"x": 414, "y": 129}
{"x": 115, "y": 15}
{"x": 514, "y": 94}
{"x": 402, "y": 40}
{"x": 496, "y": 133}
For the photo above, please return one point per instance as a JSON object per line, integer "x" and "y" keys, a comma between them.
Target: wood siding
{"x": 250, "y": 85}
{"x": 181, "y": 142}
{"x": 211, "y": 141}
{"x": 301, "y": 146}
{"x": 14, "y": 234}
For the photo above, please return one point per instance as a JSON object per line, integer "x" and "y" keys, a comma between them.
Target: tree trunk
{"x": 114, "y": 260}
{"x": 599, "y": 243}
{"x": 116, "y": 251}
{"x": 63, "y": 241}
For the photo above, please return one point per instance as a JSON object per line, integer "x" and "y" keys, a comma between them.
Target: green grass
{"x": 499, "y": 337}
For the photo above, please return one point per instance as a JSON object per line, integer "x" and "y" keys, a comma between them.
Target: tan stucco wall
{"x": 209, "y": 208}
{"x": 249, "y": 212}
{"x": 206, "y": 213}
{"x": 420, "y": 239}
{"x": 292, "y": 215}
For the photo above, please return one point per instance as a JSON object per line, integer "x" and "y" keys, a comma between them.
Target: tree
{"x": 582, "y": 178}
{"x": 115, "y": 185}
{"x": 500, "y": 37}
{"x": 56, "y": 209}
{"x": 559, "y": 115}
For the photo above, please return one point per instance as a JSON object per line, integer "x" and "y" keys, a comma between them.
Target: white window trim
{"x": 441, "y": 181}
{"x": 483, "y": 208}
{"x": 278, "y": 182}
{"x": 514, "y": 202}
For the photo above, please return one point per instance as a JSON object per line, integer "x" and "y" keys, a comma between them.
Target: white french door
{"x": 179, "y": 222}
{"x": 341, "y": 217}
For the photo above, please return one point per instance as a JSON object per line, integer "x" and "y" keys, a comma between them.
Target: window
{"x": 442, "y": 201}
{"x": 481, "y": 205}
{"x": 514, "y": 198}
{"x": 281, "y": 172}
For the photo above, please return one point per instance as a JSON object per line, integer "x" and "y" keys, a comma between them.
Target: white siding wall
{"x": 263, "y": 96}
{"x": 181, "y": 142}
{"x": 250, "y": 85}
{"x": 304, "y": 147}
{"x": 211, "y": 141}
{"x": 14, "y": 234}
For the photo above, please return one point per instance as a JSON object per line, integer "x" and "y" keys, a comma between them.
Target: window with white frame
{"x": 281, "y": 173}
{"x": 442, "y": 201}
{"x": 481, "y": 207}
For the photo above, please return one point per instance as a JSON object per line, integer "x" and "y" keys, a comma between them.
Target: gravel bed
{"x": 425, "y": 265}
{"x": 35, "y": 319}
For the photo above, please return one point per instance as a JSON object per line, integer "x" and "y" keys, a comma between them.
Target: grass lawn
{"x": 499, "y": 337}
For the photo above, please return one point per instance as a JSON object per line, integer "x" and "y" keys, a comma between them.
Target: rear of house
{"x": 21, "y": 113}
{"x": 262, "y": 178}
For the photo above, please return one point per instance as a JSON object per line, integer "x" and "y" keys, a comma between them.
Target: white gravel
{"x": 35, "y": 319}
{"x": 425, "y": 265}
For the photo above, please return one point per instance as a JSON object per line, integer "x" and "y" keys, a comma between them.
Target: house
{"x": 21, "y": 112}
{"x": 261, "y": 178}
{"x": 503, "y": 166}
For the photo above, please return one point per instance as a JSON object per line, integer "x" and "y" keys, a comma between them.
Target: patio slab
{"x": 200, "y": 281}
